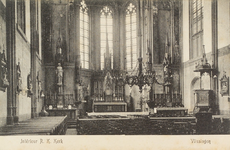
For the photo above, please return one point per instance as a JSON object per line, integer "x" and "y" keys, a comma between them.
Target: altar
{"x": 109, "y": 107}
{"x": 70, "y": 113}
{"x": 108, "y": 93}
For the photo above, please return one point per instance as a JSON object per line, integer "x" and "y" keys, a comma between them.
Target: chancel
{"x": 114, "y": 67}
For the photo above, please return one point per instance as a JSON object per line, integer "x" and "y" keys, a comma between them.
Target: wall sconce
{"x": 42, "y": 95}
{"x": 215, "y": 76}
{"x": 24, "y": 91}
{"x": 71, "y": 2}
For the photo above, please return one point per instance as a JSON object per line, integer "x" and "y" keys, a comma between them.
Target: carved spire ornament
{"x": 59, "y": 50}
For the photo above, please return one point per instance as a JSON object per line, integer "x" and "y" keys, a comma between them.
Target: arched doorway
{"x": 195, "y": 84}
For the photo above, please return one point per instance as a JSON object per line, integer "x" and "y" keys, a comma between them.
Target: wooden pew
{"x": 37, "y": 126}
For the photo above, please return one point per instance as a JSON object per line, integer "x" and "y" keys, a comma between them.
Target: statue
{"x": 59, "y": 50}
{"x": 4, "y": 81}
{"x": 176, "y": 54}
{"x": 29, "y": 85}
{"x": 59, "y": 46}
{"x": 166, "y": 64}
{"x": 108, "y": 84}
{"x": 19, "y": 78}
{"x": 167, "y": 69}
{"x": 59, "y": 73}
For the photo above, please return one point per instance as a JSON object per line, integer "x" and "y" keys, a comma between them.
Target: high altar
{"x": 108, "y": 94}
{"x": 108, "y": 88}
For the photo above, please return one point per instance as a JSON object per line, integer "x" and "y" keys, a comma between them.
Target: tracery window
{"x": 131, "y": 36}
{"x": 106, "y": 29}
{"x": 196, "y": 28}
{"x": 84, "y": 35}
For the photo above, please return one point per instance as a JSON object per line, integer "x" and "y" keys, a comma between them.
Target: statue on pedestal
{"x": 29, "y": 85}
{"x": 108, "y": 84}
{"x": 59, "y": 73}
{"x": 166, "y": 64}
{"x": 19, "y": 78}
{"x": 3, "y": 81}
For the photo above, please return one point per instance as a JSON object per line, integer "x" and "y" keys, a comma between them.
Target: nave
{"x": 114, "y": 67}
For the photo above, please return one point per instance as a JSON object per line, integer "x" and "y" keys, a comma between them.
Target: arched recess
{"x": 195, "y": 84}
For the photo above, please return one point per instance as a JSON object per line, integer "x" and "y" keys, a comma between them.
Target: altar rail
{"x": 170, "y": 112}
{"x": 168, "y": 100}
{"x": 109, "y": 107}
{"x": 37, "y": 126}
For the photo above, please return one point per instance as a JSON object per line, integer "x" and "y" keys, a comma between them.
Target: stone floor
{"x": 71, "y": 131}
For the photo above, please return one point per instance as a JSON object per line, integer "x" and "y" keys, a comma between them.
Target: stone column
{"x": 34, "y": 48}
{"x": 10, "y": 37}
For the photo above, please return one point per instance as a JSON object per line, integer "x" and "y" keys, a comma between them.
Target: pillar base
{"x": 10, "y": 120}
{"x": 16, "y": 119}
{"x": 34, "y": 115}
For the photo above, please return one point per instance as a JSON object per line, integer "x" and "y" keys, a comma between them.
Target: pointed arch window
{"x": 106, "y": 29}
{"x": 84, "y": 35}
{"x": 21, "y": 15}
{"x": 131, "y": 36}
{"x": 196, "y": 18}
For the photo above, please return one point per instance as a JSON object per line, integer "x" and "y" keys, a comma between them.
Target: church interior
{"x": 96, "y": 67}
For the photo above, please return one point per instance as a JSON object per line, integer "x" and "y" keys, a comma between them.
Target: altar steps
{"x": 71, "y": 124}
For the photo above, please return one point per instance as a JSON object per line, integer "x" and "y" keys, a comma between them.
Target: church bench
{"x": 37, "y": 126}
